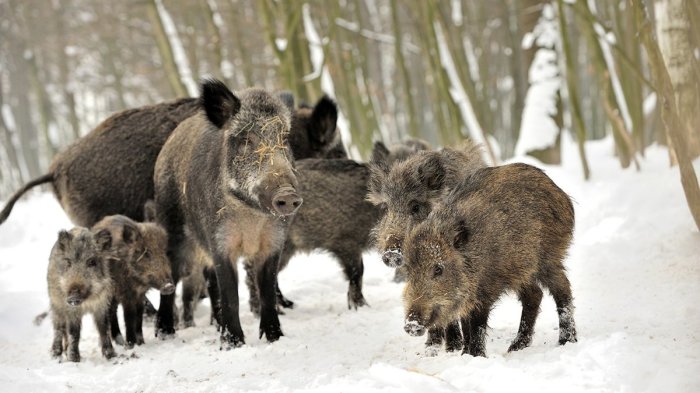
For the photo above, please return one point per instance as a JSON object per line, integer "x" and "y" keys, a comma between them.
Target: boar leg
{"x": 560, "y": 288}
{"x": 149, "y": 310}
{"x": 102, "y": 325}
{"x": 138, "y": 322}
{"x": 453, "y": 337}
{"x": 284, "y": 261}
{"x": 530, "y": 296}
{"x": 227, "y": 277}
{"x": 191, "y": 290}
{"x": 130, "y": 316}
{"x": 59, "y": 335}
{"x": 474, "y": 329}
{"x": 165, "y": 319}
{"x": 114, "y": 323}
{"x": 74, "y": 325}
{"x": 353, "y": 269}
{"x": 250, "y": 281}
{"x": 266, "y": 280}
{"x": 214, "y": 298}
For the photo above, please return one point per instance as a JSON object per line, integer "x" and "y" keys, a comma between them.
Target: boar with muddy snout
{"x": 503, "y": 228}
{"x": 227, "y": 175}
{"x": 79, "y": 283}
{"x": 138, "y": 263}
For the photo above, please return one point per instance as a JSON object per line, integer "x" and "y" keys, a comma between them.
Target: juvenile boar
{"x": 503, "y": 229}
{"x": 406, "y": 192}
{"x": 110, "y": 170}
{"x": 138, "y": 263}
{"x": 226, "y": 174}
{"x": 79, "y": 282}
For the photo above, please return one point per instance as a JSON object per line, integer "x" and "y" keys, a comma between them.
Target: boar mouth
{"x": 74, "y": 301}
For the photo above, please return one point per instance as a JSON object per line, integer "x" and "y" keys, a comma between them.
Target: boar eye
{"x": 438, "y": 270}
{"x": 92, "y": 262}
{"x": 415, "y": 208}
{"x": 147, "y": 254}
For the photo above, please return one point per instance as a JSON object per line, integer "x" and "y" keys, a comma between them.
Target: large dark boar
{"x": 139, "y": 262}
{"x": 227, "y": 175}
{"x": 110, "y": 170}
{"x": 504, "y": 228}
{"x": 79, "y": 282}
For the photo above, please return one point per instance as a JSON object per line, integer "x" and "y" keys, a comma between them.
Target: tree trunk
{"x": 165, "y": 50}
{"x": 673, "y": 32}
{"x": 669, "y": 110}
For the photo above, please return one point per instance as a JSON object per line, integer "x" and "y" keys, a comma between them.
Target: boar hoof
{"x": 139, "y": 339}
{"x": 188, "y": 323}
{"x": 432, "y": 351}
{"x": 284, "y": 302}
{"x": 119, "y": 339}
{"x": 108, "y": 352}
{"x": 229, "y": 341}
{"x": 476, "y": 352}
{"x": 128, "y": 345}
{"x": 272, "y": 333}
{"x": 519, "y": 343}
{"x": 74, "y": 357}
{"x": 165, "y": 334}
{"x": 356, "y": 301}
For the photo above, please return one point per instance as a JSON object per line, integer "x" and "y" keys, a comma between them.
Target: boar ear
{"x": 462, "y": 234}
{"x": 219, "y": 103}
{"x": 288, "y": 98}
{"x": 432, "y": 173}
{"x": 149, "y": 211}
{"x": 323, "y": 121}
{"x": 64, "y": 239}
{"x": 380, "y": 155}
{"x": 130, "y": 234}
{"x": 103, "y": 238}
{"x": 377, "y": 176}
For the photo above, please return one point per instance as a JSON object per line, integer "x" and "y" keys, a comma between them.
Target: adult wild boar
{"x": 110, "y": 170}
{"x": 504, "y": 228}
{"x": 226, "y": 174}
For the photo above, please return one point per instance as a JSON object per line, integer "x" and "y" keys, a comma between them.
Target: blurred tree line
{"x": 514, "y": 75}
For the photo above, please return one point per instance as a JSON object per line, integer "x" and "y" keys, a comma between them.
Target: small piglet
{"x": 138, "y": 263}
{"x": 79, "y": 282}
{"x": 503, "y": 228}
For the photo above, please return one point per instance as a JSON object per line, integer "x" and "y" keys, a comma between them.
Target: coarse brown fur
{"x": 504, "y": 228}
{"x": 110, "y": 170}
{"x": 138, "y": 262}
{"x": 79, "y": 283}
{"x": 226, "y": 174}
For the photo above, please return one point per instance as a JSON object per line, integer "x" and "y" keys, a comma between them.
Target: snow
{"x": 633, "y": 266}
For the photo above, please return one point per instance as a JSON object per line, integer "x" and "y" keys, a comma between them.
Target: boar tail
{"x": 11, "y": 202}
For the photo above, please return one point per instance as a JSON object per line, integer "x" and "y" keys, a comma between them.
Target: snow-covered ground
{"x": 634, "y": 267}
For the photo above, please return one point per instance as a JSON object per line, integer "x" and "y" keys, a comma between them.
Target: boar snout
{"x": 76, "y": 295}
{"x": 414, "y": 328}
{"x": 286, "y": 201}
{"x": 392, "y": 257}
{"x": 167, "y": 289}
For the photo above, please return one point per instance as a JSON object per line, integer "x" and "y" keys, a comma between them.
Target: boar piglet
{"x": 79, "y": 283}
{"x": 503, "y": 229}
{"x": 138, "y": 263}
{"x": 227, "y": 174}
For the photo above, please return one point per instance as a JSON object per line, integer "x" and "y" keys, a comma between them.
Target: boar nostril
{"x": 414, "y": 328}
{"x": 392, "y": 258}
{"x": 286, "y": 202}
{"x": 167, "y": 289}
